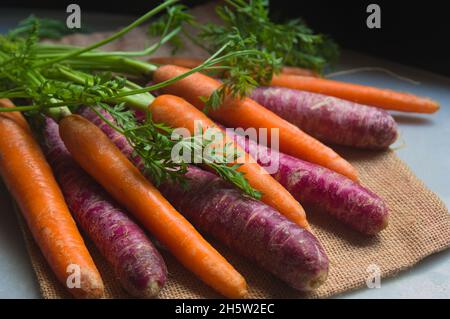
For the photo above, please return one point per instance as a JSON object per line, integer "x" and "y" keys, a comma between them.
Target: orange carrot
{"x": 176, "y": 112}
{"x": 188, "y": 62}
{"x": 30, "y": 180}
{"x": 308, "y": 80}
{"x": 247, "y": 113}
{"x": 92, "y": 149}
{"x": 382, "y": 98}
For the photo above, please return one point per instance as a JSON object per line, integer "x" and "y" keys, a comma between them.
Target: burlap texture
{"x": 419, "y": 226}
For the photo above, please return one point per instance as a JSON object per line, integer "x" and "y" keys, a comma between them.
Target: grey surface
{"x": 424, "y": 145}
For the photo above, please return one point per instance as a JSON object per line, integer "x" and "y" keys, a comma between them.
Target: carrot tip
{"x": 243, "y": 293}
{"x": 438, "y": 106}
{"x": 317, "y": 280}
{"x": 91, "y": 286}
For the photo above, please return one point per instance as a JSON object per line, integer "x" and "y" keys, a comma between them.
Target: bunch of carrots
{"x": 93, "y": 151}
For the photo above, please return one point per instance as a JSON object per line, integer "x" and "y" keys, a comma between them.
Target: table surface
{"x": 424, "y": 139}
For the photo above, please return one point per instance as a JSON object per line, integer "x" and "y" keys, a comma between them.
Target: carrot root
{"x": 177, "y": 112}
{"x": 93, "y": 151}
{"x": 43, "y": 206}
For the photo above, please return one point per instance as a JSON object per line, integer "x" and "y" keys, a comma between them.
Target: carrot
{"x": 30, "y": 181}
{"x": 93, "y": 151}
{"x": 186, "y": 62}
{"x": 330, "y": 119}
{"x": 318, "y": 187}
{"x": 176, "y": 112}
{"x": 135, "y": 261}
{"x": 189, "y": 62}
{"x": 382, "y": 98}
{"x": 245, "y": 225}
{"x": 250, "y": 228}
{"x": 247, "y": 113}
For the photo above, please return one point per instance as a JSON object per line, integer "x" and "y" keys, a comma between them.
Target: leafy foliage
{"x": 293, "y": 42}
{"x": 17, "y": 55}
{"x": 246, "y": 25}
{"x": 154, "y": 142}
{"x": 244, "y": 72}
{"x": 175, "y": 17}
{"x": 58, "y": 83}
{"x": 150, "y": 141}
{"x": 48, "y": 28}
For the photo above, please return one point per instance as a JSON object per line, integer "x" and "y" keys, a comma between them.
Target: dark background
{"x": 412, "y": 33}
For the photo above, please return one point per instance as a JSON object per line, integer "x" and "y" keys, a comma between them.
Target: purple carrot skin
{"x": 136, "y": 262}
{"x": 249, "y": 227}
{"x": 320, "y": 187}
{"x": 330, "y": 119}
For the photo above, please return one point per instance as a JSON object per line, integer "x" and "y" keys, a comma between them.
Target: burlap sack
{"x": 419, "y": 226}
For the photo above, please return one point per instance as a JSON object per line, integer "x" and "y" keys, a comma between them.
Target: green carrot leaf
{"x": 175, "y": 17}
{"x": 293, "y": 41}
{"x": 49, "y": 28}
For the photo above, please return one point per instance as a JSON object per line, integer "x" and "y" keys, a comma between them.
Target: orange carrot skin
{"x": 93, "y": 151}
{"x": 382, "y": 98}
{"x": 177, "y": 112}
{"x": 186, "y": 62}
{"x": 30, "y": 181}
{"x": 247, "y": 113}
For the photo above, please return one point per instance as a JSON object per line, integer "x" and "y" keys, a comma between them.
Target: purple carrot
{"x": 320, "y": 187}
{"x": 330, "y": 119}
{"x": 249, "y": 227}
{"x": 136, "y": 262}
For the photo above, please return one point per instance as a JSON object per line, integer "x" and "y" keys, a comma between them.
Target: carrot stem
{"x": 111, "y": 38}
